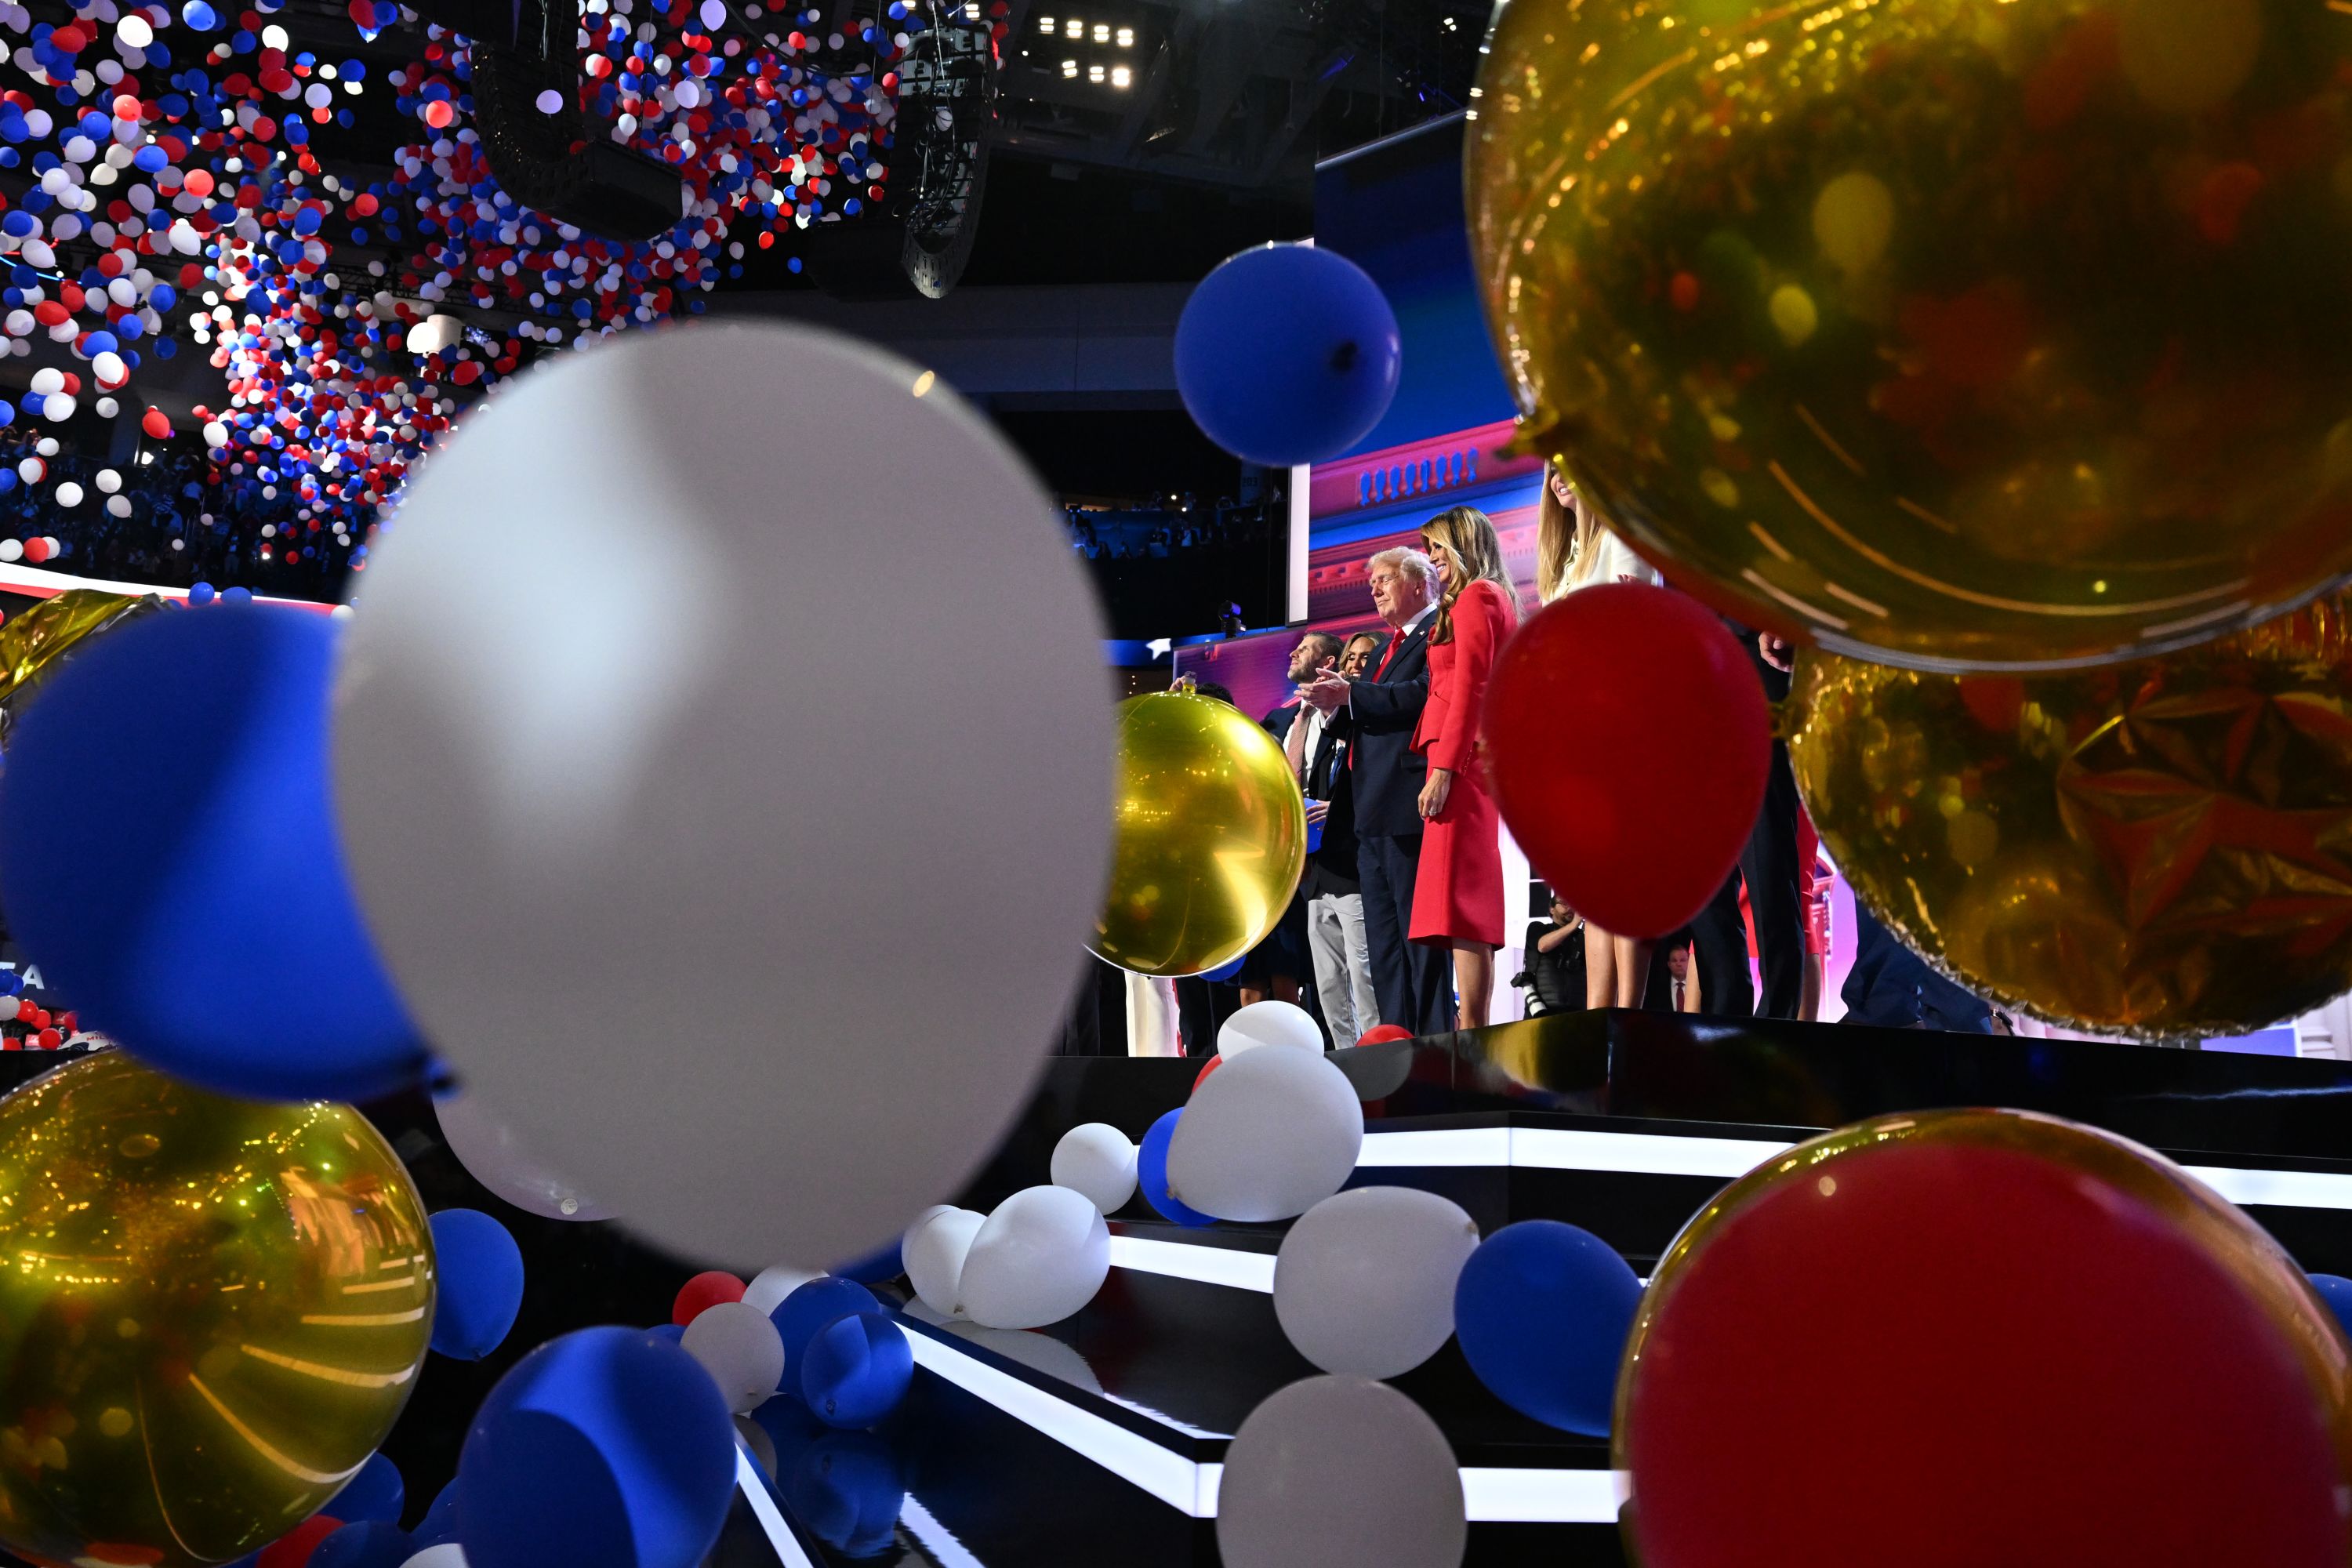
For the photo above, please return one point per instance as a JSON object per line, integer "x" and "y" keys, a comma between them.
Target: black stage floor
{"x": 1100, "y": 1439}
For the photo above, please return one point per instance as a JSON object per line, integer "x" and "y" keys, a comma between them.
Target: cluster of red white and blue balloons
{"x": 175, "y": 171}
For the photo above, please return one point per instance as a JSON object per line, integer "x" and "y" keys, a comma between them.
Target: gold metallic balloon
{"x": 35, "y": 639}
{"x": 2154, "y": 849}
{"x": 1211, "y": 835}
{"x": 211, "y": 1312}
{"x": 2275, "y": 1284}
{"x": 1955, "y": 333}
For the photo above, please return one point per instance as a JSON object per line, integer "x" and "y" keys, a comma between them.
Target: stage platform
{"x": 1099, "y": 1440}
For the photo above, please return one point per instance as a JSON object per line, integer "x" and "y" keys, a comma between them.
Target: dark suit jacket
{"x": 1332, "y": 867}
{"x": 1381, "y": 712}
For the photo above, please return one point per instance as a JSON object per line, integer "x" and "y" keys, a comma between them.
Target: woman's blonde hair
{"x": 1463, "y": 538}
{"x": 1566, "y": 536}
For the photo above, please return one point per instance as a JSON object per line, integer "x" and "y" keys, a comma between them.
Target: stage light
{"x": 1094, "y": 73}
{"x": 1102, "y": 32}
{"x": 1127, "y": 37}
{"x": 1074, "y": 29}
{"x": 1046, "y": 24}
{"x": 1070, "y": 67}
{"x": 1120, "y": 77}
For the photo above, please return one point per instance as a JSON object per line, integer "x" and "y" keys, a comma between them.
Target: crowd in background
{"x": 1188, "y": 567}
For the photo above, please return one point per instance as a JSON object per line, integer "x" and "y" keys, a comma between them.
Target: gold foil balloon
{"x": 210, "y": 1313}
{"x": 1951, "y": 333}
{"x": 35, "y": 639}
{"x": 2157, "y": 849}
{"x": 1210, "y": 837}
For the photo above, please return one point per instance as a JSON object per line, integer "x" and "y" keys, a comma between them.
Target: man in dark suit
{"x": 1768, "y": 867}
{"x": 1276, "y": 966}
{"x": 1377, "y": 713}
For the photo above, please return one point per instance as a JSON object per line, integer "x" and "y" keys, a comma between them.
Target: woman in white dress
{"x": 1574, "y": 551}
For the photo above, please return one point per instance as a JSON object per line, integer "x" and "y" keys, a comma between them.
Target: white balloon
{"x": 46, "y": 380}
{"x": 741, "y": 1350}
{"x": 1364, "y": 1282}
{"x": 745, "y": 835}
{"x": 68, "y": 494}
{"x": 109, "y": 481}
{"x": 1042, "y": 1256}
{"x": 933, "y": 1250}
{"x": 448, "y": 1554}
{"x": 495, "y": 1158}
{"x": 12, "y": 548}
{"x": 1341, "y": 1470}
{"x": 1269, "y": 1135}
{"x": 134, "y": 32}
{"x": 1268, "y": 1024}
{"x": 771, "y": 1286}
{"x": 1096, "y": 1158}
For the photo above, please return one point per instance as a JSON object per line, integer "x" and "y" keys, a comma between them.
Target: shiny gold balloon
{"x": 2277, "y": 1287}
{"x": 35, "y": 639}
{"x": 211, "y": 1312}
{"x": 1211, "y": 835}
{"x": 1951, "y": 333}
{"x": 2154, "y": 850}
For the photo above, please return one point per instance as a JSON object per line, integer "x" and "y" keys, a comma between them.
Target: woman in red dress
{"x": 1457, "y": 898}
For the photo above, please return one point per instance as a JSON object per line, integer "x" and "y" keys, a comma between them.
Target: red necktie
{"x": 1386, "y": 655}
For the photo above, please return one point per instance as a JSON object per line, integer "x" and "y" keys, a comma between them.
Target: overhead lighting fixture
{"x": 1094, "y": 73}
{"x": 1047, "y": 23}
{"x": 1074, "y": 29}
{"x": 1127, "y": 37}
{"x": 1070, "y": 67}
{"x": 1102, "y": 32}
{"x": 1119, "y": 75}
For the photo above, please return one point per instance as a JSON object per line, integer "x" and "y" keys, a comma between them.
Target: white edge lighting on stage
{"x": 1209, "y": 1265}
{"x": 1667, "y": 1155}
{"x": 1490, "y": 1495}
{"x": 764, "y": 1508}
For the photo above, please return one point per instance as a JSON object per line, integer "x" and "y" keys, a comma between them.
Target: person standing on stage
{"x": 1276, "y": 966}
{"x": 1458, "y": 896}
{"x": 1333, "y": 887}
{"x": 1377, "y": 713}
{"x": 1573, "y": 550}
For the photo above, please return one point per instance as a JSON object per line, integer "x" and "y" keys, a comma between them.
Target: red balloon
{"x": 36, "y": 550}
{"x": 157, "y": 424}
{"x": 1206, "y": 1069}
{"x": 703, "y": 1292}
{"x": 1379, "y": 1032}
{"x": 293, "y": 1549}
{"x": 1627, "y": 739}
{"x": 49, "y": 1039}
{"x": 1951, "y": 1355}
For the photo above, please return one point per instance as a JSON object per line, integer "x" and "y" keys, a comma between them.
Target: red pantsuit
{"x": 1458, "y": 895}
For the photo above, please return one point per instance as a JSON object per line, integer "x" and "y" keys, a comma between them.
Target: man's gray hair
{"x": 1406, "y": 560}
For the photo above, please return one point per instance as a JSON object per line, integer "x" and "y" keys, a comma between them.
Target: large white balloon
{"x": 1097, "y": 1159}
{"x": 1042, "y": 1256}
{"x": 771, "y": 1286}
{"x": 1268, "y": 1024}
{"x": 932, "y": 1252}
{"x": 1341, "y": 1470}
{"x": 493, "y": 1156}
{"x": 448, "y": 1554}
{"x": 1364, "y": 1282}
{"x": 1269, "y": 1135}
{"x": 741, "y": 1350}
{"x": 660, "y": 746}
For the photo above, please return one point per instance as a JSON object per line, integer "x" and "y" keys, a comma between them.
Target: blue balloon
{"x": 800, "y": 1315}
{"x": 1226, "y": 971}
{"x": 375, "y": 1493}
{"x": 370, "y": 1544}
{"x": 202, "y": 594}
{"x": 1288, "y": 353}
{"x": 2336, "y": 1291}
{"x": 440, "y": 1521}
{"x": 848, "y": 1487}
{"x": 856, "y": 1370}
{"x": 882, "y": 1263}
{"x": 480, "y": 1284}
{"x": 1542, "y": 1311}
{"x": 238, "y": 596}
{"x": 1152, "y": 1174}
{"x": 171, "y": 859}
{"x": 603, "y": 1449}
{"x": 673, "y": 1333}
